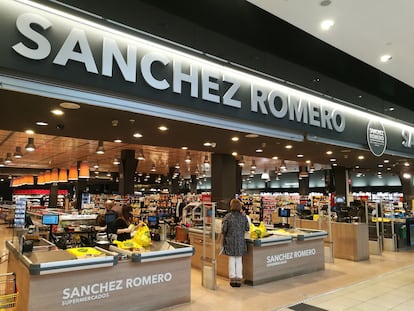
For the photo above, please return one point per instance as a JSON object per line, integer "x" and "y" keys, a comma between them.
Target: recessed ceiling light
{"x": 57, "y": 112}
{"x": 234, "y": 154}
{"x": 235, "y": 138}
{"x": 69, "y": 105}
{"x": 288, "y": 146}
{"x": 259, "y": 150}
{"x": 207, "y": 144}
{"x": 42, "y": 123}
{"x": 251, "y": 136}
{"x": 327, "y": 24}
{"x": 308, "y": 161}
{"x": 385, "y": 58}
{"x": 361, "y": 157}
{"x": 334, "y": 164}
{"x": 406, "y": 164}
{"x": 380, "y": 165}
{"x": 332, "y": 159}
{"x": 329, "y": 152}
{"x": 299, "y": 155}
{"x": 275, "y": 158}
{"x": 117, "y": 140}
{"x": 184, "y": 147}
{"x": 137, "y": 135}
{"x": 163, "y": 128}
{"x": 386, "y": 161}
{"x": 29, "y": 132}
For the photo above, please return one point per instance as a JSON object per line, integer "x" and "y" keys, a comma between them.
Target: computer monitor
{"x": 284, "y": 212}
{"x": 50, "y": 219}
{"x": 152, "y": 221}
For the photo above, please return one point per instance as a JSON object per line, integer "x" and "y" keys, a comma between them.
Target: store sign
{"x": 66, "y": 48}
{"x": 376, "y": 138}
{"x": 284, "y": 258}
{"x": 96, "y": 291}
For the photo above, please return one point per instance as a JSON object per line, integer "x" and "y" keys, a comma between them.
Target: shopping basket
{"x": 8, "y": 291}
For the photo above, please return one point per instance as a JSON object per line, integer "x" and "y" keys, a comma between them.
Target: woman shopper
{"x": 234, "y": 226}
{"x": 121, "y": 226}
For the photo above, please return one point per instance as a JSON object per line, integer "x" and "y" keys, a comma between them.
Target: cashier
{"x": 122, "y": 226}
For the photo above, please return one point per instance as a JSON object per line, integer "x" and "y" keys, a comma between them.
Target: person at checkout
{"x": 122, "y": 226}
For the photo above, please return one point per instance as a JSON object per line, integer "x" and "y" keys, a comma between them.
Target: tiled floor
{"x": 381, "y": 283}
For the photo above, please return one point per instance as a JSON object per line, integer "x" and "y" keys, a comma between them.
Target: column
{"x": 226, "y": 180}
{"x": 341, "y": 184}
{"x": 174, "y": 178}
{"x": 127, "y": 169}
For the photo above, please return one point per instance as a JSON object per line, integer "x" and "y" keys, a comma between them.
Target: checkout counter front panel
{"x": 55, "y": 280}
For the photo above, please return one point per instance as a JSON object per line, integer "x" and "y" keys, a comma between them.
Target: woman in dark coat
{"x": 234, "y": 226}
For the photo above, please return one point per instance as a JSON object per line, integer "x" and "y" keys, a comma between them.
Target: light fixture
{"x": 63, "y": 175}
{"x": 8, "y": 159}
{"x": 118, "y": 140}
{"x": 311, "y": 169}
{"x": 73, "y": 173}
{"x": 141, "y": 156}
{"x": 259, "y": 150}
{"x": 100, "y": 149}
{"x": 68, "y": 105}
{"x": 18, "y": 154}
{"x": 406, "y": 175}
{"x": 1, "y": 162}
{"x": 84, "y": 170}
{"x": 137, "y": 135}
{"x": 29, "y": 132}
{"x": 235, "y": 138}
{"x": 116, "y": 161}
{"x": 234, "y": 154}
{"x": 163, "y": 128}
{"x": 177, "y": 166}
{"x": 385, "y": 58}
{"x": 265, "y": 175}
{"x": 188, "y": 157}
{"x": 283, "y": 165}
{"x": 361, "y": 157}
{"x": 57, "y": 112}
{"x": 153, "y": 168}
{"x": 42, "y": 123}
{"x": 406, "y": 164}
{"x": 241, "y": 161}
{"x": 30, "y": 145}
{"x": 47, "y": 177}
{"x": 275, "y": 157}
{"x": 288, "y": 146}
{"x": 253, "y": 166}
{"x": 329, "y": 152}
{"x": 54, "y": 176}
{"x": 41, "y": 178}
{"x": 96, "y": 165}
{"x": 327, "y": 24}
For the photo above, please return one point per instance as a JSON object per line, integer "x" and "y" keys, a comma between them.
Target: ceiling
{"x": 363, "y": 29}
{"x": 74, "y": 137}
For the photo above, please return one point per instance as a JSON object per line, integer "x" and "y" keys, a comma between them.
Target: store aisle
{"x": 381, "y": 283}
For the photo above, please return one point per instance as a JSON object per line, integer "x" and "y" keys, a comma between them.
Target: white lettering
{"x": 275, "y": 98}
{"x": 43, "y": 48}
{"x": 314, "y": 114}
{"x": 258, "y": 98}
{"x": 228, "y": 99}
{"x": 111, "y": 52}
{"x": 208, "y": 85}
{"x": 297, "y": 110}
{"x": 77, "y": 37}
{"x": 407, "y": 137}
{"x": 146, "y": 66}
{"x": 179, "y": 76}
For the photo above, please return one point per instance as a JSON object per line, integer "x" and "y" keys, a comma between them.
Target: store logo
{"x": 376, "y": 138}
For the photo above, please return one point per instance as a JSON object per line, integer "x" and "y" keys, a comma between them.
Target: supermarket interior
{"x": 100, "y": 120}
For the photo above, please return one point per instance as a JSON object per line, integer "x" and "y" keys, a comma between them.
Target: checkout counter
{"x": 282, "y": 254}
{"x": 92, "y": 278}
